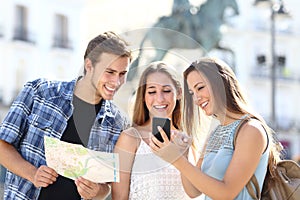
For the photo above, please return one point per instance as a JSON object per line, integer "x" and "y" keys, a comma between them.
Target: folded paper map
{"x": 74, "y": 160}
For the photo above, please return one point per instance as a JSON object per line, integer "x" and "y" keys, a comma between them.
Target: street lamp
{"x": 279, "y": 11}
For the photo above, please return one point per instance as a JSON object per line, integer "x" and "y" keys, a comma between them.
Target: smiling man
{"x": 80, "y": 112}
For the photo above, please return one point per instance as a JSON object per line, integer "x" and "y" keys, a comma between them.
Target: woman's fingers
{"x": 163, "y": 134}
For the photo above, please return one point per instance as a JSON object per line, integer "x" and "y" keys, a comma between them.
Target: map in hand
{"x": 74, "y": 160}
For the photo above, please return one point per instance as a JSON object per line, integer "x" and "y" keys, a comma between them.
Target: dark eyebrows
{"x": 115, "y": 71}
{"x": 197, "y": 84}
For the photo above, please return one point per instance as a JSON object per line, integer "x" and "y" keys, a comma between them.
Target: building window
{"x": 263, "y": 68}
{"x": 21, "y": 20}
{"x": 282, "y": 70}
{"x": 61, "y": 39}
{"x": 261, "y": 59}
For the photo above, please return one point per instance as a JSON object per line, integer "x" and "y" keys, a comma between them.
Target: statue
{"x": 180, "y": 6}
{"x": 181, "y": 13}
{"x": 200, "y": 23}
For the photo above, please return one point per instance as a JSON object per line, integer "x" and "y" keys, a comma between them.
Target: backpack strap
{"x": 253, "y": 178}
{"x": 250, "y": 188}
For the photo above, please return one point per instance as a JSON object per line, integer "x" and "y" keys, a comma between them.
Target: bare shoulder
{"x": 131, "y": 133}
{"x": 129, "y": 139}
{"x": 253, "y": 132}
{"x": 253, "y": 126}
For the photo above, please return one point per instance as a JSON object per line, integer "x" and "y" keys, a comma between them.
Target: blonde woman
{"x": 143, "y": 175}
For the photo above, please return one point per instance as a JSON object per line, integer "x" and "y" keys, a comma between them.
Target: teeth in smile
{"x": 159, "y": 107}
{"x": 110, "y": 89}
{"x": 204, "y": 104}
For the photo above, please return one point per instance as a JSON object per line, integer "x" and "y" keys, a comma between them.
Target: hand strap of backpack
{"x": 253, "y": 179}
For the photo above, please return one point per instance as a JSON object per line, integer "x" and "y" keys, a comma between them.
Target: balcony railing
{"x": 61, "y": 42}
{"x": 21, "y": 34}
{"x": 282, "y": 73}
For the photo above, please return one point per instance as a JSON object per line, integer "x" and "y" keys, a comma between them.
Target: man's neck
{"x": 86, "y": 92}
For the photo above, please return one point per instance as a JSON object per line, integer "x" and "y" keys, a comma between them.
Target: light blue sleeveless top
{"x": 218, "y": 154}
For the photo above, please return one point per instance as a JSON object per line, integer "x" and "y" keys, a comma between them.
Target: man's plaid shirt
{"x": 43, "y": 108}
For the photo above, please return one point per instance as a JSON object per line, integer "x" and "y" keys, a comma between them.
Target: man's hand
{"x": 44, "y": 176}
{"x": 89, "y": 190}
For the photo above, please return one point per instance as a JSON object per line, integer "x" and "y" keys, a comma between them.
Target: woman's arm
{"x": 189, "y": 188}
{"x": 126, "y": 147}
{"x": 251, "y": 143}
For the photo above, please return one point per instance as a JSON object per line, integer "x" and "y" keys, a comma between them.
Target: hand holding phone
{"x": 164, "y": 123}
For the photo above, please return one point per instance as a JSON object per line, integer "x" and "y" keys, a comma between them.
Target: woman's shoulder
{"x": 129, "y": 138}
{"x": 131, "y": 132}
{"x": 253, "y": 126}
{"x": 253, "y": 131}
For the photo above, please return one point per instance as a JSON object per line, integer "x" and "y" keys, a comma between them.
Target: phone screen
{"x": 164, "y": 123}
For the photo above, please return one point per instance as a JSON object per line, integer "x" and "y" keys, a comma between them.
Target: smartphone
{"x": 164, "y": 123}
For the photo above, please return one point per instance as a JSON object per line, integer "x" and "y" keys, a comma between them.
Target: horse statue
{"x": 200, "y": 24}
